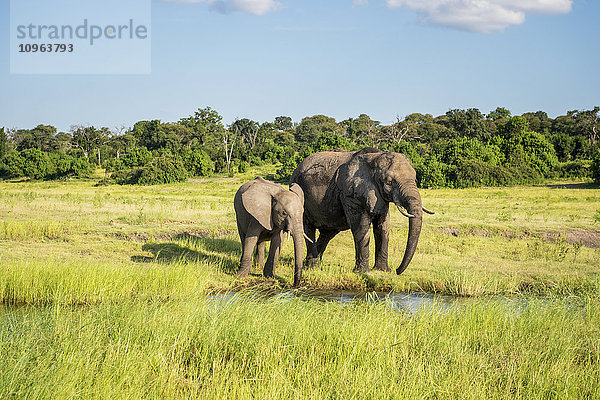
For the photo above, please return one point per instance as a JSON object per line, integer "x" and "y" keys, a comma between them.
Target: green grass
{"x": 484, "y": 241}
{"x": 106, "y": 295}
{"x": 249, "y": 347}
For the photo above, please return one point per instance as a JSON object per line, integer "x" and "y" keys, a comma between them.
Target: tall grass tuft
{"x": 34, "y": 230}
{"x": 248, "y": 347}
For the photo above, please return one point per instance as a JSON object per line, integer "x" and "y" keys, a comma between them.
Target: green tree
{"x": 362, "y": 130}
{"x": 11, "y": 166}
{"x": 36, "y": 163}
{"x": 499, "y": 114}
{"x": 311, "y": 128}
{"x": 248, "y": 131}
{"x": 3, "y": 143}
{"x": 526, "y": 148}
{"x": 596, "y": 166}
{"x": 284, "y": 124}
{"x": 469, "y": 123}
{"x": 122, "y": 143}
{"x": 539, "y": 122}
{"x": 588, "y": 122}
{"x": 42, "y": 137}
{"x": 205, "y": 124}
{"x": 90, "y": 141}
{"x": 155, "y": 135}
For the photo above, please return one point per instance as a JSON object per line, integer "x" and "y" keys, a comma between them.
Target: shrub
{"x": 539, "y": 152}
{"x": 573, "y": 169}
{"x": 596, "y": 167}
{"x": 163, "y": 169}
{"x": 12, "y": 165}
{"x": 220, "y": 165}
{"x": 113, "y": 164}
{"x": 36, "y": 164}
{"x": 64, "y": 165}
{"x": 432, "y": 173}
{"x": 137, "y": 157}
{"x": 287, "y": 168}
{"x": 243, "y": 167}
{"x": 198, "y": 163}
{"x": 473, "y": 173}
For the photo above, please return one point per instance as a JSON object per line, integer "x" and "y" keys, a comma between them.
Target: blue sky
{"x": 260, "y": 59}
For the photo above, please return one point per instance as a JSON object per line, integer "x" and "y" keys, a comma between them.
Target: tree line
{"x": 460, "y": 148}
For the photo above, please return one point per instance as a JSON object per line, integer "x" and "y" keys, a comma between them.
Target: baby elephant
{"x": 264, "y": 211}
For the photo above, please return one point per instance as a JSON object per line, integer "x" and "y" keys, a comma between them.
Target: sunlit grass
{"x": 248, "y": 347}
{"x": 106, "y": 295}
{"x": 482, "y": 241}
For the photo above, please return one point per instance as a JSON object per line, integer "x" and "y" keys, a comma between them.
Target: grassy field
{"x": 107, "y": 293}
{"x": 73, "y": 243}
{"x": 294, "y": 349}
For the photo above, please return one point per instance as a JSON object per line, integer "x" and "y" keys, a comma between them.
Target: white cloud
{"x": 480, "y": 15}
{"x": 359, "y": 3}
{"x": 256, "y": 7}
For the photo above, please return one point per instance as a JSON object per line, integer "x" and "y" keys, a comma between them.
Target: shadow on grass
{"x": 218, "y": 245}
{"x": 218, "y": 251}
{"x": 582, "y": 185}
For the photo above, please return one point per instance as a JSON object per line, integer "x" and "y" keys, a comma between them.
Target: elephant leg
{"x": 325, "y": 237}
{"x": 360, "y": 230}
{"x": 312, "y": 252}
{"x": 248, "y": 245}
{"x": 381, "y": 232}
{"x": 274, "y": 248}
{"x": 260, "y": 253}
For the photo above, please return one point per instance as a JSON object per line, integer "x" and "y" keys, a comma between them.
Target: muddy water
{"x": 402, "y": 302}
{"x": 414, "y": 302}
{"x": 409, "y": 302}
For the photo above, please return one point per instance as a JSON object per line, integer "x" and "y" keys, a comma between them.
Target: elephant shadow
{"x": 192, "y": 248}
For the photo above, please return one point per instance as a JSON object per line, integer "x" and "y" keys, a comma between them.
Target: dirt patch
{"x": 584, "y": 238}
{"x": 587, "y": 239}
{"x": 162, "y": 236}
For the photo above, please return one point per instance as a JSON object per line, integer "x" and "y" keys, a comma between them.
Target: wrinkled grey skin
{"x": 264, "y": 211}
{"x": 352, "y": 190}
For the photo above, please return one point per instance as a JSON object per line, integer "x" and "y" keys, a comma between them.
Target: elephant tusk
{"x": 287, "y": 237}
{"x": 307, "y": 238}
{"x": 427, "y": 211}
{"x": 407, "y": 215}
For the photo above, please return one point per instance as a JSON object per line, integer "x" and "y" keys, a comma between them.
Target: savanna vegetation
{"x": 462, "y": 148}
{"x": 125, "y": 291}
{"x": 112, "y": 292}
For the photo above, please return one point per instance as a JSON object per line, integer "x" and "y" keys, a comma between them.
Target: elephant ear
{"x": 257, "y": 201}
{"x": 295, "y": 188}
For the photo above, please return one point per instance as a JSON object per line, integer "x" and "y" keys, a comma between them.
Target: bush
{"x": 539, "y": 153}
{"x": 64, "y": 165}
{"x": 163, "y": 169}
{"x": 137, "y": 157}
{"x": 287, "y": 168}
{"x": 36, "y": 164}
{"x": 596, "y": 167}
{"x": 243, "y": 167}
{"x": 432, "y": 173}
{"x": 573, "y": 169}
{"x": 473, "y": 173}
{"x": 198, "y": 163}
{"x": 11, "y": 166}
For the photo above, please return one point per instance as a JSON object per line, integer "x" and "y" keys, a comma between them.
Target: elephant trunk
{"x": 411, "y": 200}
{"x": 298, "y": 236}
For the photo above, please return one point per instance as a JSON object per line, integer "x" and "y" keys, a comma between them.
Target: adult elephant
{"x": 352, "y": 190}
